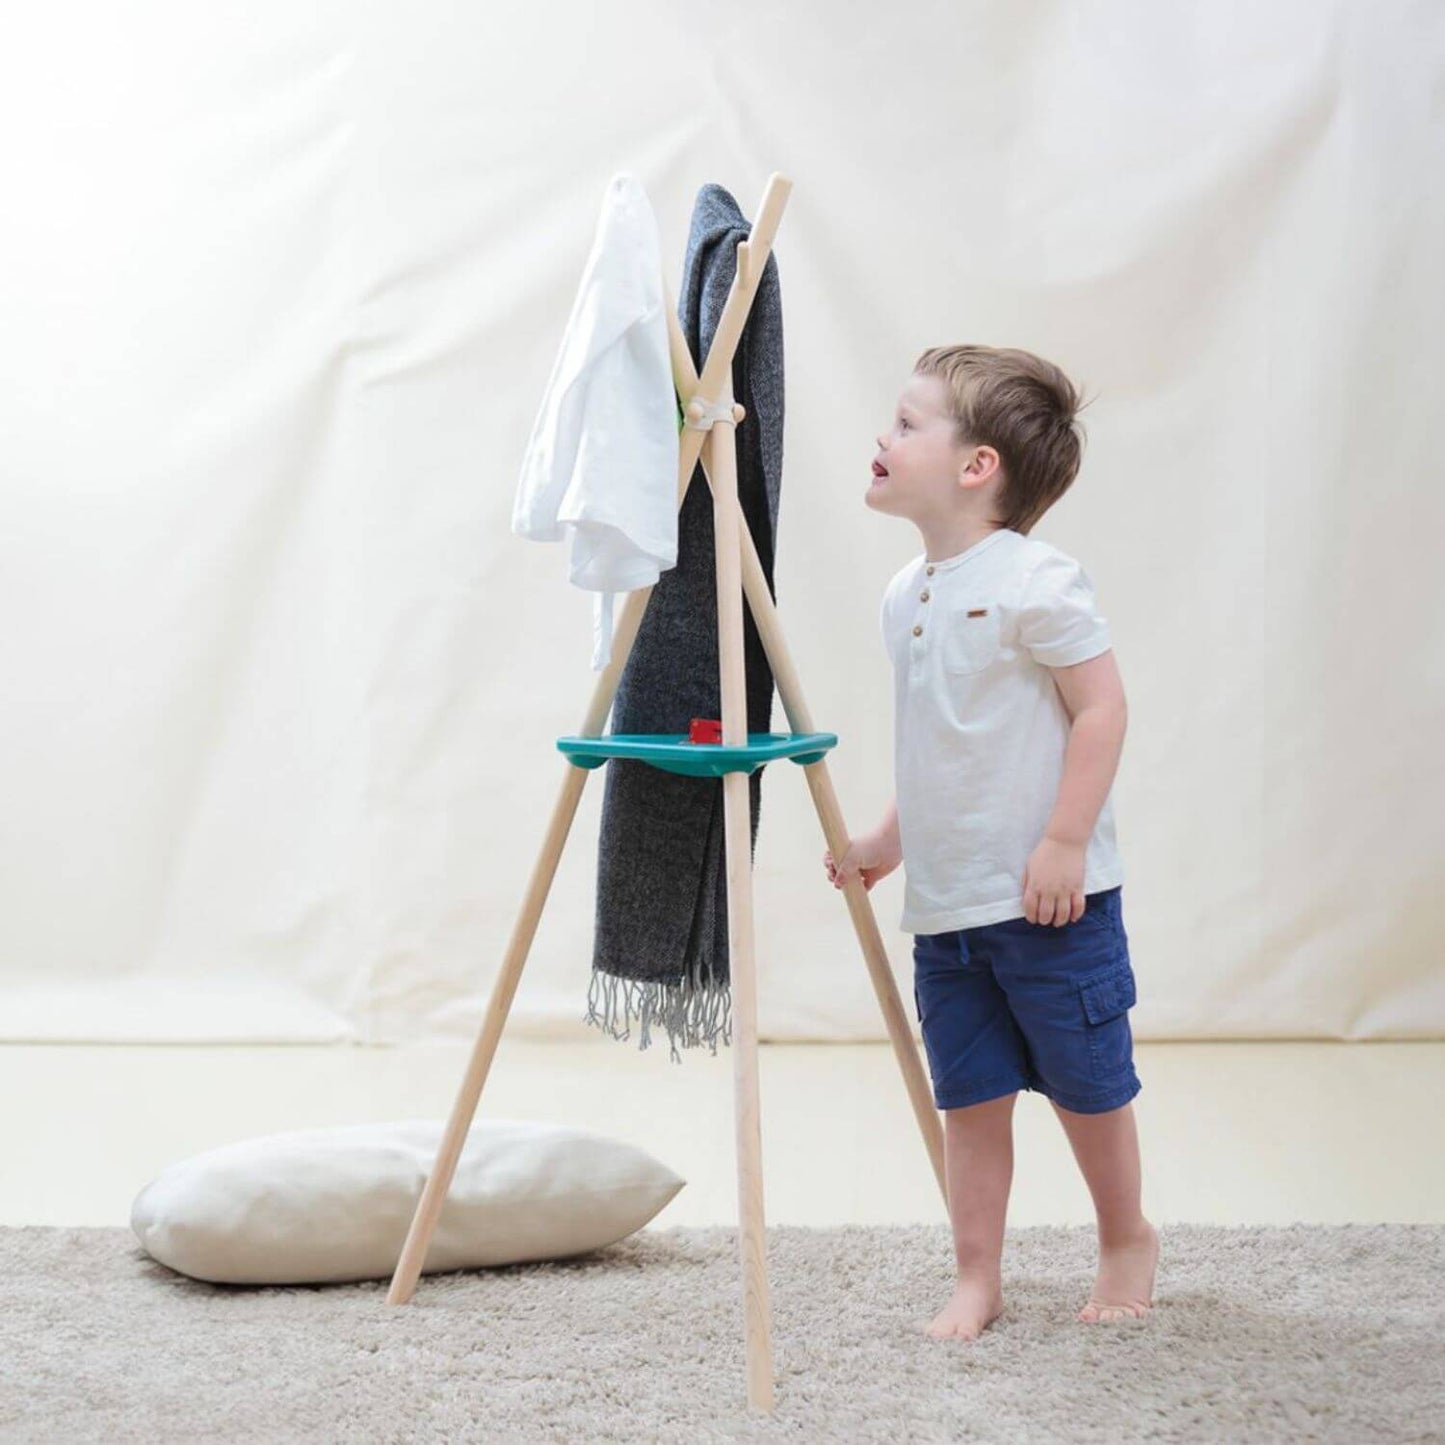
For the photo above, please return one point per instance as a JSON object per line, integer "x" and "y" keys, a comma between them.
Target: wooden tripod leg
{"x": 865, "y": 924}
{"x": 747, "y": 1108}
{"x": 428, "y": 1211}
{"x": 742, "y": 963}
{"x": 429, "y": 1208}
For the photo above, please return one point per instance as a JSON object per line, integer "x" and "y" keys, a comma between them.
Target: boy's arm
{"x": 1094, "y": 698}
{"x": 1093, "y": 695}
{"x": 888, "y": 828}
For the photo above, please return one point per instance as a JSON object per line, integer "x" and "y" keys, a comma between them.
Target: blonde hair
{"x": 1022, "y": 406}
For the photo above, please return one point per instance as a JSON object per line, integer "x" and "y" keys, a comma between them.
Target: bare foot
{"x": 1125, "y": 1286}
{"x": 975, "y": 1305}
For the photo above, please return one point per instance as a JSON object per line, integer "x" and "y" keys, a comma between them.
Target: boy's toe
{"x": 1095, "y": 1312}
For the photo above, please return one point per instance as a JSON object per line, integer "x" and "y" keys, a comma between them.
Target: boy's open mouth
{"x": 879, "y": 470}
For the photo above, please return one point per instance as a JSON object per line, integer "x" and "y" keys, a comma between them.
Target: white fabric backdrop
{"x": 282, "y": 286}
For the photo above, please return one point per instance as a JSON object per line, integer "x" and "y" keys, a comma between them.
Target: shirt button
{"x": 923, "y": 596}
{"x": 930, "y": 571}
{"x": 918, "y": 632}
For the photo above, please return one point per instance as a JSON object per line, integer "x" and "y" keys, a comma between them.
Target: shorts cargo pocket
{"x": 1108, "y": 994}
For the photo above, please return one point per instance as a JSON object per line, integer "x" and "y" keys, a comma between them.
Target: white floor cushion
{"x": 326, "y": 1205}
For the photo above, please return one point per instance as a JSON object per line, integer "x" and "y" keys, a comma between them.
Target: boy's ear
{"x": 984, "y": 462}
{"x": 982, "y": 465}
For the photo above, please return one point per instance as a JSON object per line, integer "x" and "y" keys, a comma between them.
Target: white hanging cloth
{"x": 603, "y": 455}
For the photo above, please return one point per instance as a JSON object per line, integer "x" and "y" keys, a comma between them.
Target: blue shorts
{"x": 1020, "y": 1005}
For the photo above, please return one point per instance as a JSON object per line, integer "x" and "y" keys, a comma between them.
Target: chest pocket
{"x": 971, "y": 637}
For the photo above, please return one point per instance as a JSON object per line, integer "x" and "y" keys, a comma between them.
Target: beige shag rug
{"x": 1301, "y": 1333}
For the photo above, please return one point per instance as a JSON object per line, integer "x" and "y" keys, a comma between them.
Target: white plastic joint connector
{"x": 701, "y": 414}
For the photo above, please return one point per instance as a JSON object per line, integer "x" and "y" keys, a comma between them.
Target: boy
{"x": 1009, "y": 722}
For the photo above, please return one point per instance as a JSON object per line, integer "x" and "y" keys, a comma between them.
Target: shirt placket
{"x": 922, "y": 629}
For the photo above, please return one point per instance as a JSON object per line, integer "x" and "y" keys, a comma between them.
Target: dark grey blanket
{"x": 661, "y": 934}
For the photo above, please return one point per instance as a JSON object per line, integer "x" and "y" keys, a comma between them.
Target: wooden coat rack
{"x": 708, "y": 435}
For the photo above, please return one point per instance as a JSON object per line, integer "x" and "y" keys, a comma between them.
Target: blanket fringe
{"x": 694, "y": 1010}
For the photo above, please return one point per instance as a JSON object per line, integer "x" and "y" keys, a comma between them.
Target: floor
{"x": 1231, "y": 1133}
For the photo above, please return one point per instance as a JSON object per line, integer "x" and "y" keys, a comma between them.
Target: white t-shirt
{"x": 980, "y": 729}
{"x": 602, "y": 456}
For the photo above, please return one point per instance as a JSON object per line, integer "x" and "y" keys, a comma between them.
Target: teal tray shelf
{"x": 675, "y": 754}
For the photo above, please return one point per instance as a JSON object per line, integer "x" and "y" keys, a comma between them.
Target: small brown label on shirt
{"x": 978, "y": 611}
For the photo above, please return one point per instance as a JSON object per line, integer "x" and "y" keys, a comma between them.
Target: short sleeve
{"x": 1059, "y": 619}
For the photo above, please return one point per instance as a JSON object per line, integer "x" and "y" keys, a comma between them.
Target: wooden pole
{"x": 742, "y": 963}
